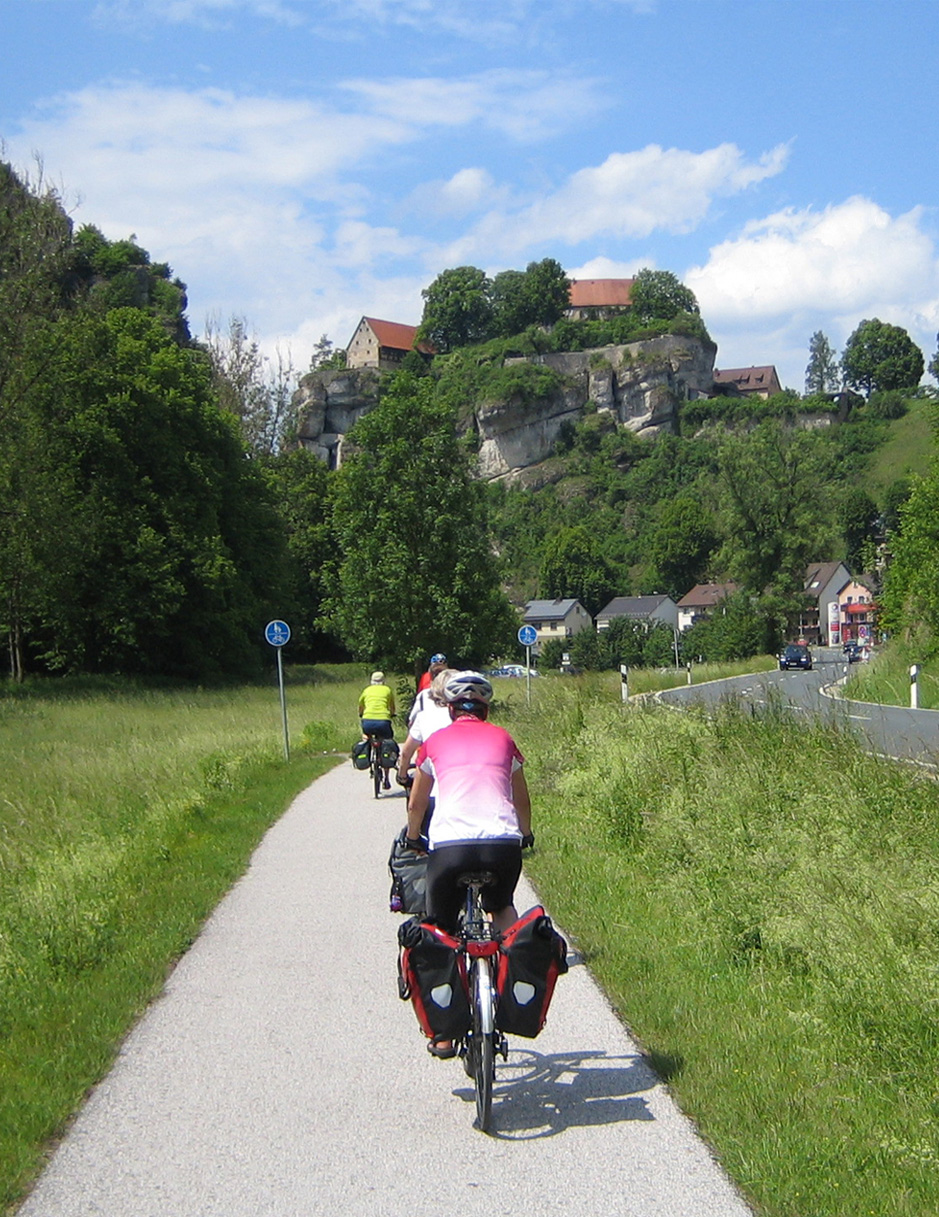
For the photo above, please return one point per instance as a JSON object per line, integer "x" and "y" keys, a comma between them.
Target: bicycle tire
{"x": 376, "y": 769}
{"x": 484, "y": 1060}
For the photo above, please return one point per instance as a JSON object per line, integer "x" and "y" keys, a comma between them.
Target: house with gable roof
{"x": 823, "y": 583}
{"x": 649, "y": 611}
{"x": 556, "y": 619}
{"x": 747, "y": 382}
{"x": 383, "y": 344}
{"x": 598, "y": 299}
{"x": 701, "y": 601}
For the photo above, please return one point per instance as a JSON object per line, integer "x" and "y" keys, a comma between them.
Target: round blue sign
{"x": 277, "y": 633}
{"x": 527, "y": 635}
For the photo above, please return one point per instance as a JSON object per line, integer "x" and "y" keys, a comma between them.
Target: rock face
{"x": 328, "y": 404}
{"x": 642, "y": 384}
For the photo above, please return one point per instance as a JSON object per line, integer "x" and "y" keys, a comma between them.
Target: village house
{"x": 857, "y": 611}
{"x": 556, "y": 619}
{"x": 649, "y": 610}
{"x": 747, "y": 382}
{"x": 821, "y": 616}
{"x": 383, "y": 344}
{"x": 598, "y": 299}
{"x": 701, "y": 601}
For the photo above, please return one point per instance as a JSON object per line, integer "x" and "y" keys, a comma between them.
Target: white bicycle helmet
{"x": 468, "y": 686}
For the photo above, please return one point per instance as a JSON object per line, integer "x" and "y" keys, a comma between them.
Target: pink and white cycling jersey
{"x": 473, "y": 763}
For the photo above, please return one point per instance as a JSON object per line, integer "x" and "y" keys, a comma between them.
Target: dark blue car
{"x": 795, "y": 656}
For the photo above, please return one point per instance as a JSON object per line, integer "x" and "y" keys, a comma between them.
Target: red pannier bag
{"x": 532, "y": 955}
{"x": 432, "y": 973}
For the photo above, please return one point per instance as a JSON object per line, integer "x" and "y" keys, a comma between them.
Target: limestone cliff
{"x": 642, "y": 384}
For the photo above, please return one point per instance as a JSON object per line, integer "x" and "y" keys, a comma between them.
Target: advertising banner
{"x": 834, "y": 623}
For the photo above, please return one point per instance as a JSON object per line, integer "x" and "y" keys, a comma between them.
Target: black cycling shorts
{"x": 502, "y": 856}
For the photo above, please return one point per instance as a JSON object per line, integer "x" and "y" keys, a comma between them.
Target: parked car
{"x": 852, "y": 652}
{"x": 795, "y": 656}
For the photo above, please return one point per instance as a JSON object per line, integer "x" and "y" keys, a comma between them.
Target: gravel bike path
{"x": 279, "y": 1074}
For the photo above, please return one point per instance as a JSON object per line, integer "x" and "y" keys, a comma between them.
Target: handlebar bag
{"x": 408, "y": 877}
{"x": 431, "y": 972}
{"x": 532, "y": 955}
{"x": 360, "y": 754}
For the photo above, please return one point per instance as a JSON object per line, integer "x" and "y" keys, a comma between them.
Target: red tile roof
{"x": 600, "y": 293}
{"x": 707, "y": 595}
{"x": 396, "y": 336}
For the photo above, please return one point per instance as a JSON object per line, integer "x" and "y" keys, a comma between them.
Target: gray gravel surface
{"x": 280, "y": 1074}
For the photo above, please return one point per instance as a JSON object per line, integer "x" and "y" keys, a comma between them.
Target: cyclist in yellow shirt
{"x": 376, "y": 710}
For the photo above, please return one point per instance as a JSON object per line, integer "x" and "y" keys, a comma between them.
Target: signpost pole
{"x": 914, "y": 686}
{"x": 277, "y": 634}
{"x": 283, "y": 702}
{"x": 624, "y": 677}
{"x": 528, "y": 636}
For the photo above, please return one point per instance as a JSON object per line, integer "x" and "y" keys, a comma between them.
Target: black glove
{"x": 528, "y": 841}
{"x": 411, "y": 843}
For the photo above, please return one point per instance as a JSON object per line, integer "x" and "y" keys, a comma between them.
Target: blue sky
{"x": 302, "y": 162}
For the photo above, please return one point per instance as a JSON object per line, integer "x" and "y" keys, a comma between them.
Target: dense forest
{"x": 156, "y": 509}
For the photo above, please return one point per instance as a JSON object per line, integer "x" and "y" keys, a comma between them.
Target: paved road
{"x": 891, "y": 730}
{"x": 280, "y": 1075}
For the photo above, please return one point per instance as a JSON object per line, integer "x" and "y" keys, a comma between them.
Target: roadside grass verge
{"x": 886, "y": 677}
{"x": 126, "y": 813}
{"x": 760, "y": 900}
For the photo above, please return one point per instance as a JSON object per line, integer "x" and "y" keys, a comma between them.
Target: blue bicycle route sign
{"x": 527, "y": 635}
{"x": 277, "y": 633}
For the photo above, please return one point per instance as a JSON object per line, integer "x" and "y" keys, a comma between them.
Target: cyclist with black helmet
{"x": 482, "y": 815}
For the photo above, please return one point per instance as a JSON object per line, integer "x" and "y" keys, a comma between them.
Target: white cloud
{"x": 607, "y": 268}
{"x": 764, "y": 292}
{"x": 210, "y": 14}
{"x": 522, "y": 105}
{"x": 631, "y": 194}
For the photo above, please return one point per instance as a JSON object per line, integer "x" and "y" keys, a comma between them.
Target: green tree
{"x": 881, "y": 356}
{"x": 167, "y": 556}
{"x": 775, "y": 504}
{"x": 822, "y": 375}
{"x": 658, "y": 295}
{"x": 416, "y": 572}
{"x": 911, "y": 585}
{"x": 858, "y": 518}
{"x": 254, "y": 387}
{"x": 301, "y": 486}
{"x": 457, "y": 309}
{"x": 682, "y": 544}
{"x": 573, "y": 566}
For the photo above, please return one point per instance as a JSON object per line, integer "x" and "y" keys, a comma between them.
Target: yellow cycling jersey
{"x": 377, "y": 701}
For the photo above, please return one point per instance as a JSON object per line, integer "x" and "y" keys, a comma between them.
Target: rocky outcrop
{"x": 641, "y": 384}
{"x": 328, "y": 404}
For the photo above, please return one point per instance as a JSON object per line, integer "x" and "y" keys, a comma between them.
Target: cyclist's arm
{"x": 418, "y": 801}
{"x": 408, "y": 748}
{"x": 522, "y": 801}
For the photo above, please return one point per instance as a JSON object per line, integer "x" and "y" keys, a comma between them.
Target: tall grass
{"x": 125, "y": 814}
{"x": 760, "y": 899}
{"x": 886, "y": 678}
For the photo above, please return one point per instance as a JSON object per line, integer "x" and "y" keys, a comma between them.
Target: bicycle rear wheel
{"x": 376, "y": 768}
{"x": 484, "y": 1060}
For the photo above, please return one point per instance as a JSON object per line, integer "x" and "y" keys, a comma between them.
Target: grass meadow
{"x": 760, "y": 900}
{"x": 125, "y": 814}
{"x": 758, "y": 897}
{"x": 886, "y": 678}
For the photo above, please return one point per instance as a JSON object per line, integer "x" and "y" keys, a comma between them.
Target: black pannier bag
{"x": 408, "y": 877}
{"x": 360, "y": 754}
{"x": 432, "y": 974}
{"x": 389, "y": 753}
{"x": 532, "y": 955}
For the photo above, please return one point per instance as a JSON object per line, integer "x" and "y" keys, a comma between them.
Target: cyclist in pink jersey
{"x": 482, "y": 815}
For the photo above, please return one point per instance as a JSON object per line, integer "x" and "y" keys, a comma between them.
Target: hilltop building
{"x": 383, "y": 344}
{"x": 747, "y": 382}
{"x": 598, "y": 299}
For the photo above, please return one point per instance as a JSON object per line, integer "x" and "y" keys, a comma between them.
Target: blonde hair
{"x": 437, "y": 684}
